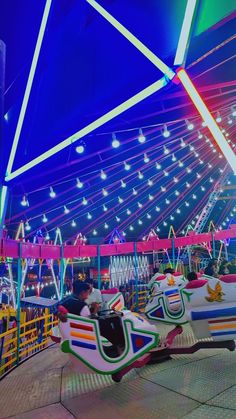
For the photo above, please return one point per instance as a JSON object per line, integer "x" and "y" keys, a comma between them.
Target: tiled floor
{"x": 202, "y": 385}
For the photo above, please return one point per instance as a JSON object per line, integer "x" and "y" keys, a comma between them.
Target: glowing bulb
{"x": 44, "y": 218}
{"x": 128, "y": 212}
{"x": 79, "y": 184}
{"x": 190, "y": 125}
{"x": 27, "y": 226}
{"x": 181, "y": 164}
{"x": 127, "y": 166}
{"x": 218, "y": 118}
{"x": 66, "y": 210}
{"x": 120, "y": 200}
{"x": 84, "y": 201}
{"x": 149, "y": 216}
{"x": 24, "y": 201}
{"x": 73, "y": 224}
{"x": 164, "y": 223}
{"x": 198, "y": 176}
{"x": 182, "y": 143}
{"x": 123, "y": 184}
{"x": 140, "y": 205}
{"x": 203, "y": 188}
{"x": 140, "y": 175}
{"x": 140, "y": 222}
{"x": 200, "y": 136}
{"x": 104, "y": 192}
{"x": 186, "y": 204}
{"x": 106, "y": 226}
{"x": 52, "y": 194}
{"x": 166, "y": 150}
{"x": 158, "y": 166}
{"x": 178, "y": 211}
{"x": 204, "y": 124}
{"x": 105, "y": 207}
{"x": 172, "y": 218}
{"x": 167, "y": 201}
{"x": 131, "y": 228}
{"x": 194, "y": 196}
{"x": 230, "y": 121}
{"x": 80, "y": 149}
{"x": 150, "y": 197}
{"x": 95, "y": 232}
{"x": 175, "y": 179}
{"x": 158, "y": 209}
{"x": 89, "y": 216}
{"x": 103, "y": 175}
{"x": 201, "y": 161}
{"x": 173, "y": 157}
{"x": 211, "y": 180}
{"x": 141, "y": 137}
{"x": 134, "y": 191}
{"x": 191, "y": 148}
{"x": 165, "y": 132}
{"x": 158, "y": 229}
{"x": 150, "y": 182}
{"x": 118, "y": 219}
{"x": 163, "y": 189}
{"x": 115, "y": 143}
{"x": 146, "y": 158}
{"x": 188, "y": 170}
{"x": 188, "y": 185}
{"x": 165, "y": 173}
{"x": 177, "y": 193}
{"x": 47, "y": 237}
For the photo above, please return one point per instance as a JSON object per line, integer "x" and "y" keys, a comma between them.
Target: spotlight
{"x": 141, "y": 137}
{"x": 115, "y": 143}
{"x": 52, "y": 194}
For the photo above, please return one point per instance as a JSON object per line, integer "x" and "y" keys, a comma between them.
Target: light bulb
{"x": 186, "y": 204}
{"x": 158, "y": 209}
{"x": 181, "y": 164}
{"x": 79, "y": 184}
{"x": 173, "y": 157}
{"x": 128, "y": 212}
{"x": 140, "y": 175}
{"x": 166, "y": 150}
{"x": 115, "y": 143}
{"x": 104, "y": 192}
{"x": 203, "y": 188}
{"x": 177, "y": 193}
{"x": 140, "y": 222}
{"x": 66, "y": 210}
{"x": 190, "y": 125}
{"x": 164, "y": 223}
{"x": 24, "y": 201}
{"x": 52, "y": 194}
{"x": 84, "y": 201}
{"x": 27, "y": 226}
{"x": 141, "y": 137}
{"x": 150, "y": 197}
{"x": 165, "y": 132}
{"x": 200, "y": 136}
{"x": 163, "y": 189}
{"x": 106, "y": 226}
{"x": 140, "y": 205}
{"x": 123, "y": 184}
{"x": 80, "y": 149}
{"x": 118, "y": 219}
{"x": 182, "y": 143}
{"x": 188, "y": 185}
{"x": 149, "y": 216}
{"x": 172, "y": 218}
{"x": 47, "y": 237}
{"x": 89, "y": 216}
{"x": 73, "y": 223}
{"x": 103, "y": 175}
{"x": 127, "y": 166}
{"x": 167, "y": 201}
{"x": 120, "y": 200}
{"x": 158, "y": 166}
{"x": 105, "y": 207}
{"x": 44, "y": 218}
{"x": 150, "y": 182}
{"x": 178, "y": 211}
{"x": 218, "y": 118}
{"x": 146, "y": 158}
{"x": 131, "y": 228}
{"x": 175, "y": 179}
{"x": 204, "y": 124}
{"x": 165, "y": 173}
{"x": 95, "y": 232}
{"x": 188, "y": 170}
{"x": 134, "y": 191}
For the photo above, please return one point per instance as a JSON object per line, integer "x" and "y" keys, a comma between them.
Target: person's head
{"x": 81, "y": 289}
{"x": 169, "y": 271}
{"x": 192, "y": 276}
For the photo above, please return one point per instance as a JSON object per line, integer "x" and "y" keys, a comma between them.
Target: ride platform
{"x": 187, "y": 386}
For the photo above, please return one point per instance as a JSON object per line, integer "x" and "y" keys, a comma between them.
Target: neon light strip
{"x": 207, "y": 117}
{"x": 3, "y": 203}
{"x": 29, "y": 85}
{"x": 185, "y": 32}
{"x": 148, "y": 91}
{"x": 135, "y": 41}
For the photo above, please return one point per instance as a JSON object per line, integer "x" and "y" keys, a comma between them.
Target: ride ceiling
{"x": 85, "y": 69}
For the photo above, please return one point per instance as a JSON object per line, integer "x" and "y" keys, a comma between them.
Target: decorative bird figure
{"x": 215, "y": 294}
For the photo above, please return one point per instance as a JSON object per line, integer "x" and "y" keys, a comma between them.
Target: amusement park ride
{"x": 207, "y": 303}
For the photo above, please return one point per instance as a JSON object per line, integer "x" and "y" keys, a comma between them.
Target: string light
{"x": 140, "y": 205}
{"x": 128, "y": 212}
{"x": 52, "y": 193}
{"x": 200, "y": 136}
{"x": 150, "y": 197}
{"x": 140, "y": 222}
{"x": 158, "y": 166}
{"x": 103, "y": 175}
{"x": 105, "y": 208}
{"x": 127, "y": 166}
{"x": 190, "y": 125}
{"x": 218, "y": 117}
{"x": 120, "y": 200}
{"x": 135, "y": 192}
{"x": 166, "y": 150}
{"x": 141, "y": 137}
{"x": 104, "y": 192}
{"x": 24, "y": 201}
{"x": 44, "y": 219}
{"x": 140, "y": 175}
{"x": 123, "y": 184}
{"x": 73, "y": 223}
{"x": 165, "y": 132}
{"x": 158, "y": 209}
{"x": 79, "y": 184}
{"x": 150, "y": 182}
{"x": 149, "y": 216}
{"x": 84, "y": 201}
{"x": 89, "y": 216}
{"x": 146, "y": 159}
{"x": 115, "y": 143}
{"x": 173, "y": 158}
{"x": 66, "y": 210}
{"x": 27, "y": 226}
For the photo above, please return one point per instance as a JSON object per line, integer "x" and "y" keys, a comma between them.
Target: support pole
{"x": 213, "y": 245}
{"x": 99, "y": 266}
{"x": 62, "y": 272}
{"x": 136, "y": 274}
{"x": 19, "y": 275}
{"x": 173, "y": 252}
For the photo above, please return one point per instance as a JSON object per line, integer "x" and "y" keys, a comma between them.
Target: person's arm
{"x": 85, "y": 312}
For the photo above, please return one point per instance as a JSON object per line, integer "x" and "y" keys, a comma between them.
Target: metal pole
{"x": 19, "y": 275}
{"x": 136, "y": 274}
{"x": 173, "y": 252}
{"x": 62, "y": 272}
{"x": 99, "y": 266}
{"x": 213, "y": 245}
{"x": 189, "y": 258}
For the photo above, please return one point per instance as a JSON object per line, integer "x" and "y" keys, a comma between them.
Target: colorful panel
{"x": 139, "y": 341}
{"x": 83, "y": 345}
{"x": 222, "y": 327}
{"x": 158, "y": 313}
{"x": 211, "y": 314}
{"x": 80, "y": 338}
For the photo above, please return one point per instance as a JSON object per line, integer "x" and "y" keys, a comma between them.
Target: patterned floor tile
{"x": 226, "y": 399}
{"x": 138, "y": 399}
{"x": 210, "y": 412}
{"x": 53, "y": 411}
